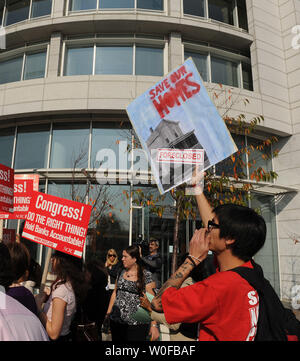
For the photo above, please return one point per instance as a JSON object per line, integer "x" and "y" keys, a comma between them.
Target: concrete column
{"x": 175, "y": 51}
{"x": 58, "y": 8}
{"x": 287, "y": 164}
{"x": 54, "y": 55}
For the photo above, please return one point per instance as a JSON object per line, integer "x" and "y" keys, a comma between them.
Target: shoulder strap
{"x": 271, "y": 310}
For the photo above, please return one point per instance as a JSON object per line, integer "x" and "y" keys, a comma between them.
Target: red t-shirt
{"x": 224, "y": 304}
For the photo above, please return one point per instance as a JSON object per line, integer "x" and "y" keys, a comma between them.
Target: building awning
{"x": 266, "y": 187}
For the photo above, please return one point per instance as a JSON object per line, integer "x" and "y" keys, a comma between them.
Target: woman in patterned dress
{"x": 132, "y": 281}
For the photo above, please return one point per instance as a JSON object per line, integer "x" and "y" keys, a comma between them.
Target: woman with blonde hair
{"x": 113, "y": 266}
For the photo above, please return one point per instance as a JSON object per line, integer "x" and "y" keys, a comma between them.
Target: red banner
{"x": 24, "y": 185}
{"x": 9, "y": 236}
{"x": 57, "y": 223}
{"x": 6, "y": 188}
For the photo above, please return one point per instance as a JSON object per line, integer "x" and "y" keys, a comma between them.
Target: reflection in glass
{"x": 77, "y": 5}
{"x": 193, "y": 7}
{"x": 6, "y": 146}
{"x": 229, "y": 168}
{"x": 149, "y": 61}
{"x": 75, "y": 192}
{"x": 114, "y": 60}
{"x": 10, "y": 70}
{"x": 116, "y": 4}
{"x": 32, "y": 147}
{"x": 79, "y": 61}
{"x": 16, "y": 11}
{"x": 259, "y": 158}
{"x": 242, "y": 14}
{"x": 150, "y": 4}
{"x": 35, "y": 66}
{"x": 247, "y": 76}
{"x": 41, "y": 8}
{"x": 224, "y": 71}
{"x": 69, "y": 145}
{"x": 221, "y": 10}
{"x": 200, "y": 61}
{"x": 113, "y": 145}
{"x": 2, "y": 3}
{"x": 112, "y": 229}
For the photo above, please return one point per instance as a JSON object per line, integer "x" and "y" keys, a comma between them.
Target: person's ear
{"x": 229, "y": 242}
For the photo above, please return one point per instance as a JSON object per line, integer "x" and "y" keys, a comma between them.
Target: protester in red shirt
{"x": 224, "y": 304}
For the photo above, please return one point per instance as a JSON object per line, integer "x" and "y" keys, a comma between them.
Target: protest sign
{"x": 6, "y": 188}
{"x": 177, "y": 113}
{"x": 9, "y": 236}
{"x": 57, "y": 223}
{"x": 24, "y": 185}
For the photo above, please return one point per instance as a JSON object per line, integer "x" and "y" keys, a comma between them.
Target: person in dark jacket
{"x": 152, "y": 262}
{"x": 97, "y": 299}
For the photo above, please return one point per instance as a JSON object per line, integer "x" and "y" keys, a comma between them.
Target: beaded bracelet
{"x": 190, "y": 257}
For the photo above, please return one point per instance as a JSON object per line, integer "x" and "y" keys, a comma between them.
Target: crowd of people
{"x": 81, "y": 292}
{"x": 202, "y": 300}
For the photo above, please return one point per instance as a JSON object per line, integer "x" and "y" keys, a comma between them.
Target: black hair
{"x": 134, "y": 252}
{"x": 6, "y": 273}
{"x": 69, "y": 269}
{"x": 244, "y": 226}
{"x": 20, "y": 259}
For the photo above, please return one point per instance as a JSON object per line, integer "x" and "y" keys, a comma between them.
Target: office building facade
{"x": 69, "y": 68}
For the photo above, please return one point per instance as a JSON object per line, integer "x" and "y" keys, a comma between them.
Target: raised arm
{"x": 198, "y": 252}
{"x": 205, "y": 210}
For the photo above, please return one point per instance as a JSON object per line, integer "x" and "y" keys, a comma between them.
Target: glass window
{"x": 115, "y": 141}
{"x": 6, "y": 146}
{"x": 242, "y": 14}
{"x": 112, "y": 228}
{"x": 150, "y": 4}
{"x": 221, "y": 10}
{"x": 2, "y": 3}
{"x": 224, "y": 71}
{"x": 228, "y": 167}
{"x": 17, "y": 11}
{"x": 260, "y": 158}
{"x": 200, "y": 61}
{"x": 114, "y": 60}
{"x": 149, "y": 61}
{"x": 116, "y": 4}
{"x": 35, "y": 66}
{"x": 77, "y": 5}
{"x": 193, "y": 7}
{"x": 247, "y": 76}
{"x": 32, "y": 147}
{"x": 69, "y": 145}
{"x": 75, "y": 192}
{"x": 11, "y": 70}
{"x": 41, "y": 8}
{"x": 79, "y": 61}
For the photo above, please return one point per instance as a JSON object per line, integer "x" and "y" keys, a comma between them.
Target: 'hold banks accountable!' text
{"x": 57, "y": 223}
